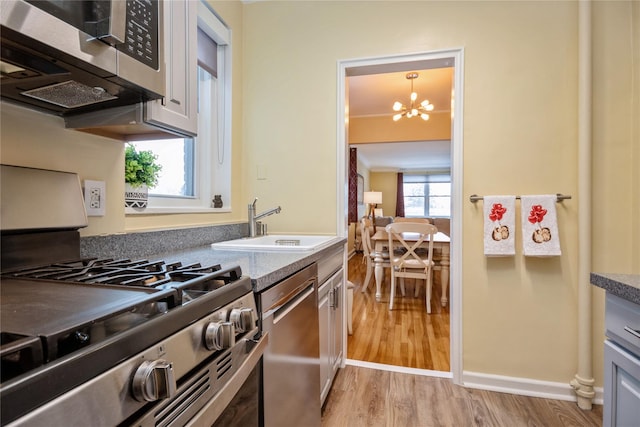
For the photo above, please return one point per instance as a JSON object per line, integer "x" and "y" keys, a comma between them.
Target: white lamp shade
{"x": 372, "y": 197}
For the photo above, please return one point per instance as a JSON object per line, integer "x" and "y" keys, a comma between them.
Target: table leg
{"x": 378, "y": 272}
{"x": 444, "y": 274}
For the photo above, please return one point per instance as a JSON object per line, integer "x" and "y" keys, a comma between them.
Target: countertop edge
{"x": 626, "y": 286}
{"x": 267, "y": 280}
{"x": 265, "y": 268}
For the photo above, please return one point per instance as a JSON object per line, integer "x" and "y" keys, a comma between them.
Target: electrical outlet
{"x": 94, "y": 197}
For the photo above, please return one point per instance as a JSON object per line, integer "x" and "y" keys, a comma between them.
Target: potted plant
{"x": 140, "y": 172}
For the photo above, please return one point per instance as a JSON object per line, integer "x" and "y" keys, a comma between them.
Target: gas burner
{"x": 117, "y": 272}
{"x": 191, "y": 280}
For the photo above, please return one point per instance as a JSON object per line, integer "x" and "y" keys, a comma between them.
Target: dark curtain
{"x": 400, "y": 196}
{"x": 353, "y": 185}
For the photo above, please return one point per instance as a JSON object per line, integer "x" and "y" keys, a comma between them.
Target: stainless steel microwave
{"x": 69, "y": 56}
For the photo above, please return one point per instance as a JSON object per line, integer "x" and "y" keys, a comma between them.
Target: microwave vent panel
{"x": 70, "y": 94}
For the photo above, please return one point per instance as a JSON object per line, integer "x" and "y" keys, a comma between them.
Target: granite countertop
{"x": 264, "y": 267}
{"x": 626, "y": 286}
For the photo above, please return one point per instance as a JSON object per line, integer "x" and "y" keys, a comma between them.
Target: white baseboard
{"x": 525, "y": 386}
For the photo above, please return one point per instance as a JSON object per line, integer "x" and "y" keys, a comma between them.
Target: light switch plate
{"x": 261, "y": 172}
{"x": 94, "y": 197}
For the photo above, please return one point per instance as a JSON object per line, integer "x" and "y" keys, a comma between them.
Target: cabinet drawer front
{"x": 329, "y": 264}
{"x": 623, "y": 322}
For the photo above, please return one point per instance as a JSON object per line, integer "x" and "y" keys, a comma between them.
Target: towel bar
{"x": 560, "y": 197}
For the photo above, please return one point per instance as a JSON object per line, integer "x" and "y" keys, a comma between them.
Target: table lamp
{"x": 372, "y": 198}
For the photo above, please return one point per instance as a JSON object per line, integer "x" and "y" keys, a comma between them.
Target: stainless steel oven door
{"x": 238, "y": 403}
{"x": 199, "y": 396}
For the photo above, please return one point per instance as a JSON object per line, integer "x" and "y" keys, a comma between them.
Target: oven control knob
{"x": 242, "y": 318}
{"x": 219, "y": 336}
{"x": 154, "y": 380}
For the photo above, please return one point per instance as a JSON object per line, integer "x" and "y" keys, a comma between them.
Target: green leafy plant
{"x": 140, "y": 167}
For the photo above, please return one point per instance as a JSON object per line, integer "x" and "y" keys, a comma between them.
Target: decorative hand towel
{"x": 499, "y": 225}
{"x": 540, "y": 226}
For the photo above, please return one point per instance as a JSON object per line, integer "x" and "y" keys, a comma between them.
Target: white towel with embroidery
{"x": 499, "y": 225}
{"x": 540, "y": 226}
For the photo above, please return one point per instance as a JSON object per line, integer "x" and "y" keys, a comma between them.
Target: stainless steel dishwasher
{"x": 291, "y": 362}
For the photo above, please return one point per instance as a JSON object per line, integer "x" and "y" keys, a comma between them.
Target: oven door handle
{"x": 212, "y": 410}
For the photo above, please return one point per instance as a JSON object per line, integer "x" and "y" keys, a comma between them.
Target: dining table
{"x": 441, "y": 249}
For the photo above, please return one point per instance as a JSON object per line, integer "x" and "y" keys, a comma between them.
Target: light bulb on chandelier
{"x": 412, "y": 110}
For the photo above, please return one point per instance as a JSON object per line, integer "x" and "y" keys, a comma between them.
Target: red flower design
{"x": 497, "y": 211}
{"x": 537, "y": 214}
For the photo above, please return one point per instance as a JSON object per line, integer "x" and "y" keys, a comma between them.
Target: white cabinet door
{"x": 324, "y": 317}
{"x": 178, "y": 109}
{"x": 337, "y": 321}
{"x": 621, "y": 387}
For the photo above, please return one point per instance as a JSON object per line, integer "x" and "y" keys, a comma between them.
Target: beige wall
{"x": 387, "y": 183}
{"x": 381, "y": 129}
{"x": 520, "y": 137}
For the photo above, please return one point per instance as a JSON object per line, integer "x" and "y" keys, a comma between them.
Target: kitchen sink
{"x": 276, "y": 242}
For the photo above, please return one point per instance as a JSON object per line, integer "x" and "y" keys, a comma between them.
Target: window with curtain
{"x": 427, "y": 195}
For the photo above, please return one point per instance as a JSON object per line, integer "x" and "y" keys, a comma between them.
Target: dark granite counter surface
{"x": 626, "y": 286}
{"x": 264, "y": 267}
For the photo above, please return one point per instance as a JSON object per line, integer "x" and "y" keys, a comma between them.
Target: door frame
{"x": 406, "y": 62}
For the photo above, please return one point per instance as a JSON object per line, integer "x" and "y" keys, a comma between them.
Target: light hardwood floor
{"x": 374, "y": 398}
{"x": 408, "y": 336}
{"x": 405, "y": 336}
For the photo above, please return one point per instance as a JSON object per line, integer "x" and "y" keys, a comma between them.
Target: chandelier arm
{"x": 421, "y": 110}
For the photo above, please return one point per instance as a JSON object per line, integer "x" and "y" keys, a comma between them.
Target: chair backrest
{"x": 365, "y": 234}
{"x": 416, "y": 234}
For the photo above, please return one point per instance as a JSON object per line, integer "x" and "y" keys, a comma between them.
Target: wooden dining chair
{"x": 409, "y": 261}
{"x": 368, "y": 253}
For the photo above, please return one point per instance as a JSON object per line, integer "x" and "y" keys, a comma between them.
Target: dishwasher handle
{"x": 280, "y": 293}
{"x": 291, "y": 301}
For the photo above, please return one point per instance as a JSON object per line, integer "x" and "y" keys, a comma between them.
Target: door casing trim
{"x": 456, "y": 55}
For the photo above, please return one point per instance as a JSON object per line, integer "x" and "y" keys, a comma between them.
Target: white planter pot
{"x": 135, "y": 197}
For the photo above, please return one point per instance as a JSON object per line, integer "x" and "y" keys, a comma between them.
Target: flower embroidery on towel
{"x": 541, "y": 234}
{"x": 501, "y": 232}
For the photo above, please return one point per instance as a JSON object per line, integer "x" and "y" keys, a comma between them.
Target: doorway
{"x": 410, "y": 62}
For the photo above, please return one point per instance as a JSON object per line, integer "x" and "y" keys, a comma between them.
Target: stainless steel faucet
{"x": 253, "y": 218}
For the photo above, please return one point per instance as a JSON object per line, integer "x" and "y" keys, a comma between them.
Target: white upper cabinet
{"x": 176, "y": 113}
{"x": 178, "y": 109}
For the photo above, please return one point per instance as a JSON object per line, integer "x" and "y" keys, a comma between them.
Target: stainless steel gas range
{"x": 115, "y": 341}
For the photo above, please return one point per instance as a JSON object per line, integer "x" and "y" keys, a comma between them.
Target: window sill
{"x": 174, "y": 210}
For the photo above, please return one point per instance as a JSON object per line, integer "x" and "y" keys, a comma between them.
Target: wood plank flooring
{"x": 405, "y": 336}
{"x": 409, "y": 337}
{"x": 374, "y": 398}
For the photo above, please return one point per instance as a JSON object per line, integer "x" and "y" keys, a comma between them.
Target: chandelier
{"x": 412, "y": 110}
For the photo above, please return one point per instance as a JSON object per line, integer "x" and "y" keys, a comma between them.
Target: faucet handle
{"x": 261, "y": 228}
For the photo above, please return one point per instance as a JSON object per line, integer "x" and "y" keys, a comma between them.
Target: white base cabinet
{"x": 331, "y": 315}
{"x": 622, "y": 364}
{"x": 331, "y": 312}
{"x": 621, "y": 387}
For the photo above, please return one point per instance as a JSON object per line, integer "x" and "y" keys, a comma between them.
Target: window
{"x": 427, "y": 195}
{"x": 194, "y": 170}
{"x": 177, "y": 159}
